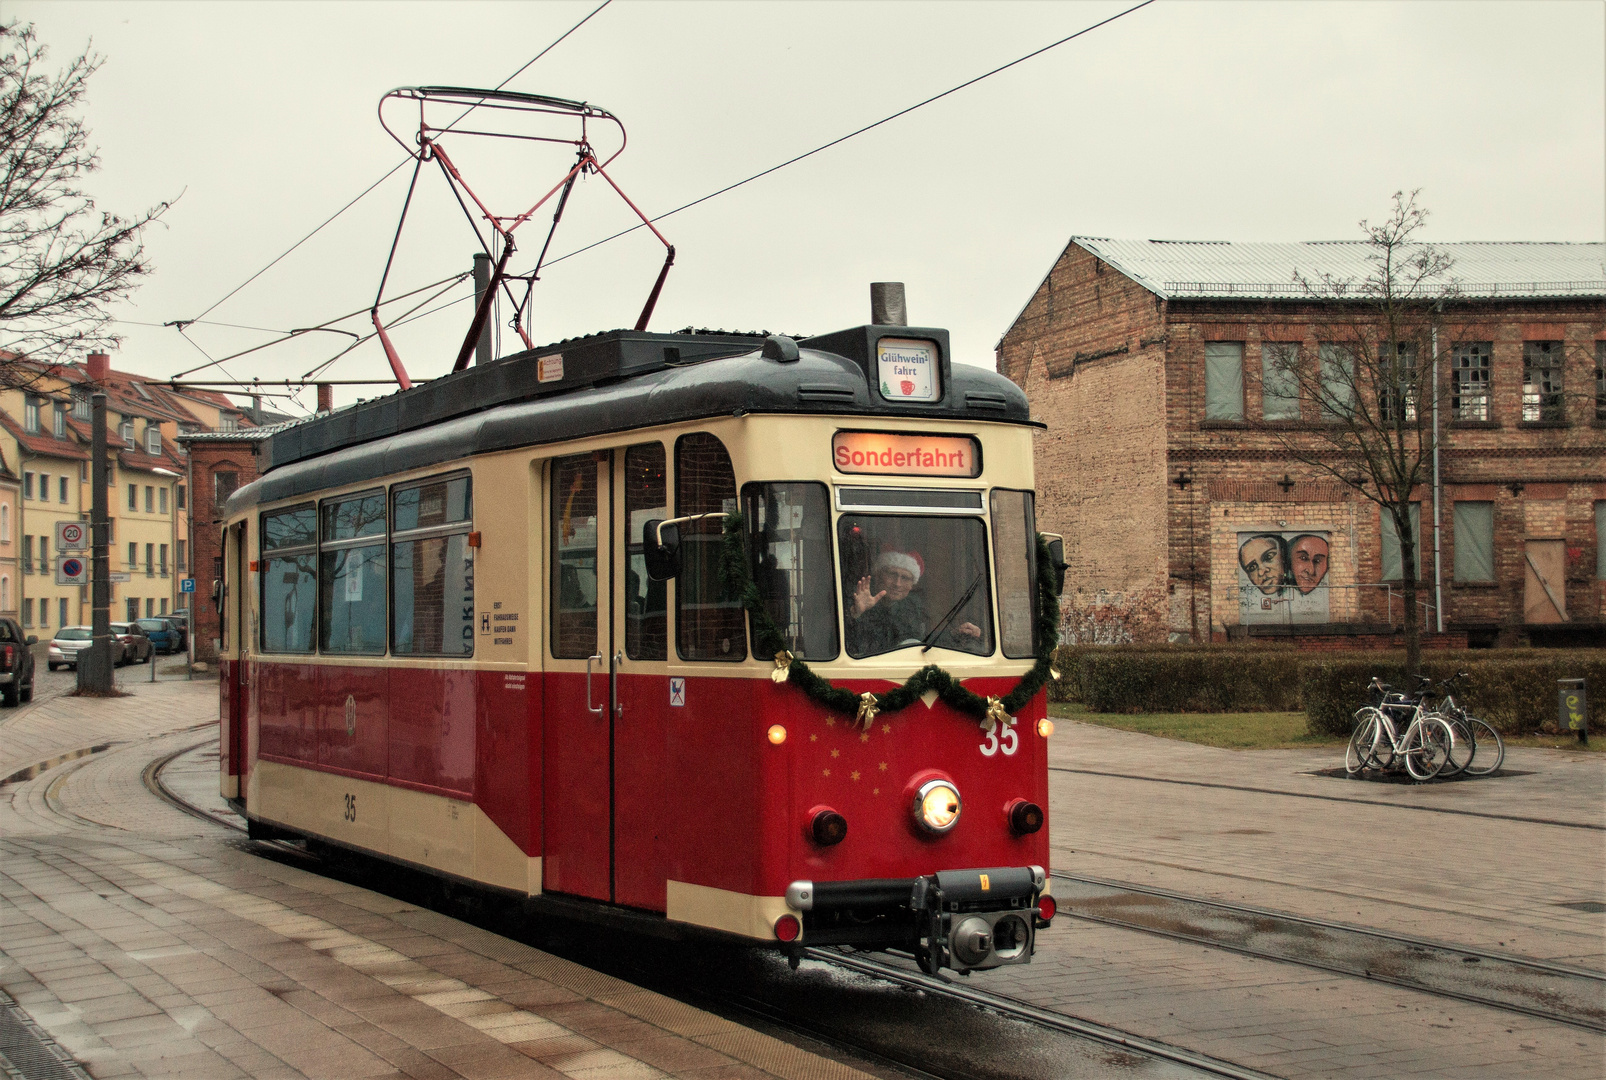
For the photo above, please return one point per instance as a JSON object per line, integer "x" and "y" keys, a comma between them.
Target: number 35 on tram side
{"x": 626, "y": 626}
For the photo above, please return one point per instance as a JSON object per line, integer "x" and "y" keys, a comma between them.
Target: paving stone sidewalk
{"x": 147, "y": 944}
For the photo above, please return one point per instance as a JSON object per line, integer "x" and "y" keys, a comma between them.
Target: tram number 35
{"x": 1008, "y": 741}
{"x": 351, "y": 808}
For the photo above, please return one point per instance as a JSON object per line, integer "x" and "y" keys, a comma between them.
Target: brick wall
{"x": 208, "y": 458}
{"x": 1117, "y": 373}
{"x": 1089, "y": 352}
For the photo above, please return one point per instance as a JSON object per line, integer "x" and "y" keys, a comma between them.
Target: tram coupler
{"x": 970, "y": 920}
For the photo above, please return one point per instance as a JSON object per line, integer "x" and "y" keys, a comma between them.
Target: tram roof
{"x": 609, "y": 382}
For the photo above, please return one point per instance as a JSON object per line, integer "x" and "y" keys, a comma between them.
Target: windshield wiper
{"x": 948, "y": 618}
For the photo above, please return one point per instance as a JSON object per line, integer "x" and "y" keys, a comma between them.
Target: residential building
{"x": 1167, "y": 455}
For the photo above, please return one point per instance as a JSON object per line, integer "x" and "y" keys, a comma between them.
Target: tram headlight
{"x": 776, "y": 734}
{"x": 936, "y": 806}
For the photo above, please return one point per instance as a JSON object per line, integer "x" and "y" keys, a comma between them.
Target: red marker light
{"x": 787, "y": 928}
{"x": 1046, "y": 908}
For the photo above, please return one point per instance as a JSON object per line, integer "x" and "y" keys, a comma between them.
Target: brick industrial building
{"x": 1165, "y": 466}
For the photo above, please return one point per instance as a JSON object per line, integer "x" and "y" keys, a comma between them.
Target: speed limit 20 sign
{"x": 72, "y": 536}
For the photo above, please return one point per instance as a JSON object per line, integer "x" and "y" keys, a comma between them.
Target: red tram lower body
{"x": 692, "y": 799}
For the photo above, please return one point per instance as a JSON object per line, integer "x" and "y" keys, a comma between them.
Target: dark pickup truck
{"x": 16, "y": 663}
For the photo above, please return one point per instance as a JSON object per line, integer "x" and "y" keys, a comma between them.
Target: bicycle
{"x": 1471, "y": 736}
{"x": 1424, "y": 748}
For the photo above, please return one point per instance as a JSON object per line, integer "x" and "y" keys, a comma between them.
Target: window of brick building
{"x": 178, "y": 497}
{"x": 1474, "y": 541}
{"x": 1279, "y": 380}
{"x": 1393, "y": 565}
{"x": 223, "y": 485}
{"x": 1337, "y": 380}
{"x": 1224, "y": 380}
{"x": 228, "y": 422}
{"x": 1542, "y": 381}
{"x": 1469, "y": 375}
{"x": 1396, "y": 396}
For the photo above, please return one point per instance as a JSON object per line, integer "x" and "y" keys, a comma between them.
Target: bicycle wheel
{"x": 1463, "y": 746}
{"x": 1490, "y": 750}
{"x": 1358, "y": 754}
{"x": 1427, "y": 748}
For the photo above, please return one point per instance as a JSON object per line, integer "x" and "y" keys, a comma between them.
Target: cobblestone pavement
{"x": 1368, "y": 854}
{"x": 147, "y": 944}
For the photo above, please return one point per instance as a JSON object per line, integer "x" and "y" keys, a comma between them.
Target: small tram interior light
{"x": 776, "y": 734}
{"x": 1045, "y": 727}
{"x": 827, "y": 827}
{"x": 936, "y": 806}
{"x": 787, "y": 928}
{"x": 1024, "y": 817}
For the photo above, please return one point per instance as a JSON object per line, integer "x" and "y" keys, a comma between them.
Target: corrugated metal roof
{"x": 1183, "y": 269}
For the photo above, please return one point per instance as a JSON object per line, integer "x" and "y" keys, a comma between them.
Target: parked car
{"x": 181, "y": 627}
{"x": 16, "y": 663}
{"x": 63, "y": 648}
{"x": 137, "y": 647}
{"x": 163, "y": 634}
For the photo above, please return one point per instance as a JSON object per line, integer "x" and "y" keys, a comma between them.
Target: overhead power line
{"x": 858, "y": 132}
{"x": 282, "y": 255}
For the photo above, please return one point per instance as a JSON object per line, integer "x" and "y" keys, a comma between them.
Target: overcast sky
{"x": 1227, "y": 121}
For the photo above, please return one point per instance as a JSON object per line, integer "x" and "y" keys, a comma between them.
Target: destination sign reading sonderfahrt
{"x": 905, "y": 455}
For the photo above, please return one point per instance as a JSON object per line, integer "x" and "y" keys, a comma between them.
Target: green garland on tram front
{"x": 768, "y": 641}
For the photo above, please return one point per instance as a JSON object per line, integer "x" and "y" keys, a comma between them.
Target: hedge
{"x": 1513, "y": 689}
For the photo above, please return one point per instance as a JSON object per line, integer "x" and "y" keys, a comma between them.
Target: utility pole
{"x": 96, "y": 675}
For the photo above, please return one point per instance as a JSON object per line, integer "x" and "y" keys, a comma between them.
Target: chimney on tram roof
{"x": 886, "y": 304}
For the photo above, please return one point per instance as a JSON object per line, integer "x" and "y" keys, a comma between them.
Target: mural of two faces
{"x": 1282, "y": 577}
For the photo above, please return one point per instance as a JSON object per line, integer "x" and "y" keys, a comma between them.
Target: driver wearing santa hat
{"x": 885, "y": 613}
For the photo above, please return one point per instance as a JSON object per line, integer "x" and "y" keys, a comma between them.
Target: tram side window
{"x": 289, "y": 548}
{"x": 574, "y": 557}
{"x": 351, "y": 601}
{"x": 710, "y": 623}
{"x": 1015, "y": 550}
{"x": 432, "y": 568}
{"x": 789, "y": 534}
{"x": 646, "y": 601}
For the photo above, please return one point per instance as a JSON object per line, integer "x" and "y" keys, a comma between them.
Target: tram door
{"x": 577, "y": 733}
{"x": 231, "y": 612}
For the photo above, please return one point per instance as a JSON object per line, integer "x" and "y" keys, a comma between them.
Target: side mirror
{"x": 33, "y": 639}
{"x": 1056, "y": 555}
{"x": 660, "y": 546}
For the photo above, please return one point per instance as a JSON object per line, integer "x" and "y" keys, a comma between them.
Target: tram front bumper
{"x": 967, "y": 920}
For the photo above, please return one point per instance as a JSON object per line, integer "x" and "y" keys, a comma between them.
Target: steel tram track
{"x": 751, "y": 1007}
{"x": 741, "y": 1005}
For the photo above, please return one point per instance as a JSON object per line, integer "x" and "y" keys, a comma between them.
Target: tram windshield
{"x": 914, "y": 580}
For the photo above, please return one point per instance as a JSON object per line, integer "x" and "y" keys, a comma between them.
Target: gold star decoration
{"x": 830, "y": 721}
{"x": 864, "y": 736}
{"x": 886, "y": 729}
{"x": 828, "y": 772}
{"x": 875, "y": 791}
{"x": 814, "y": 738}
{"x": 836, "y": 753}
{"x": 883, "y": 766}
{"x": 854, "y": 775}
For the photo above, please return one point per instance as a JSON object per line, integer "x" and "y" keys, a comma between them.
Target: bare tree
{"x": 1373, "y": 381}
{"x": 63, "y": 263}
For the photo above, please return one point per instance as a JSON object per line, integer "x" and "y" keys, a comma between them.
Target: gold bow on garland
{"x": 783, "y": 667}
{"x": 869, "y": 705}
{"x": 996, "y": 716}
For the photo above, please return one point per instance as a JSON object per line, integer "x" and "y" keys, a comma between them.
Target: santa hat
{"x": 911, "y": 563}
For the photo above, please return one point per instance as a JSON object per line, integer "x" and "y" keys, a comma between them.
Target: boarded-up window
{"x": 1338, "y": 380}
{"x": 1474, "y": 541}
{"x": 1600, "y": 540}
{"x": 1279, "y": 380}
{"x": 1224, "y": 380}
{"x": 1393, "y": 568}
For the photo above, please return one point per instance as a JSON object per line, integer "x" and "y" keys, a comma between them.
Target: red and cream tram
{"x": 626, "y": 625}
